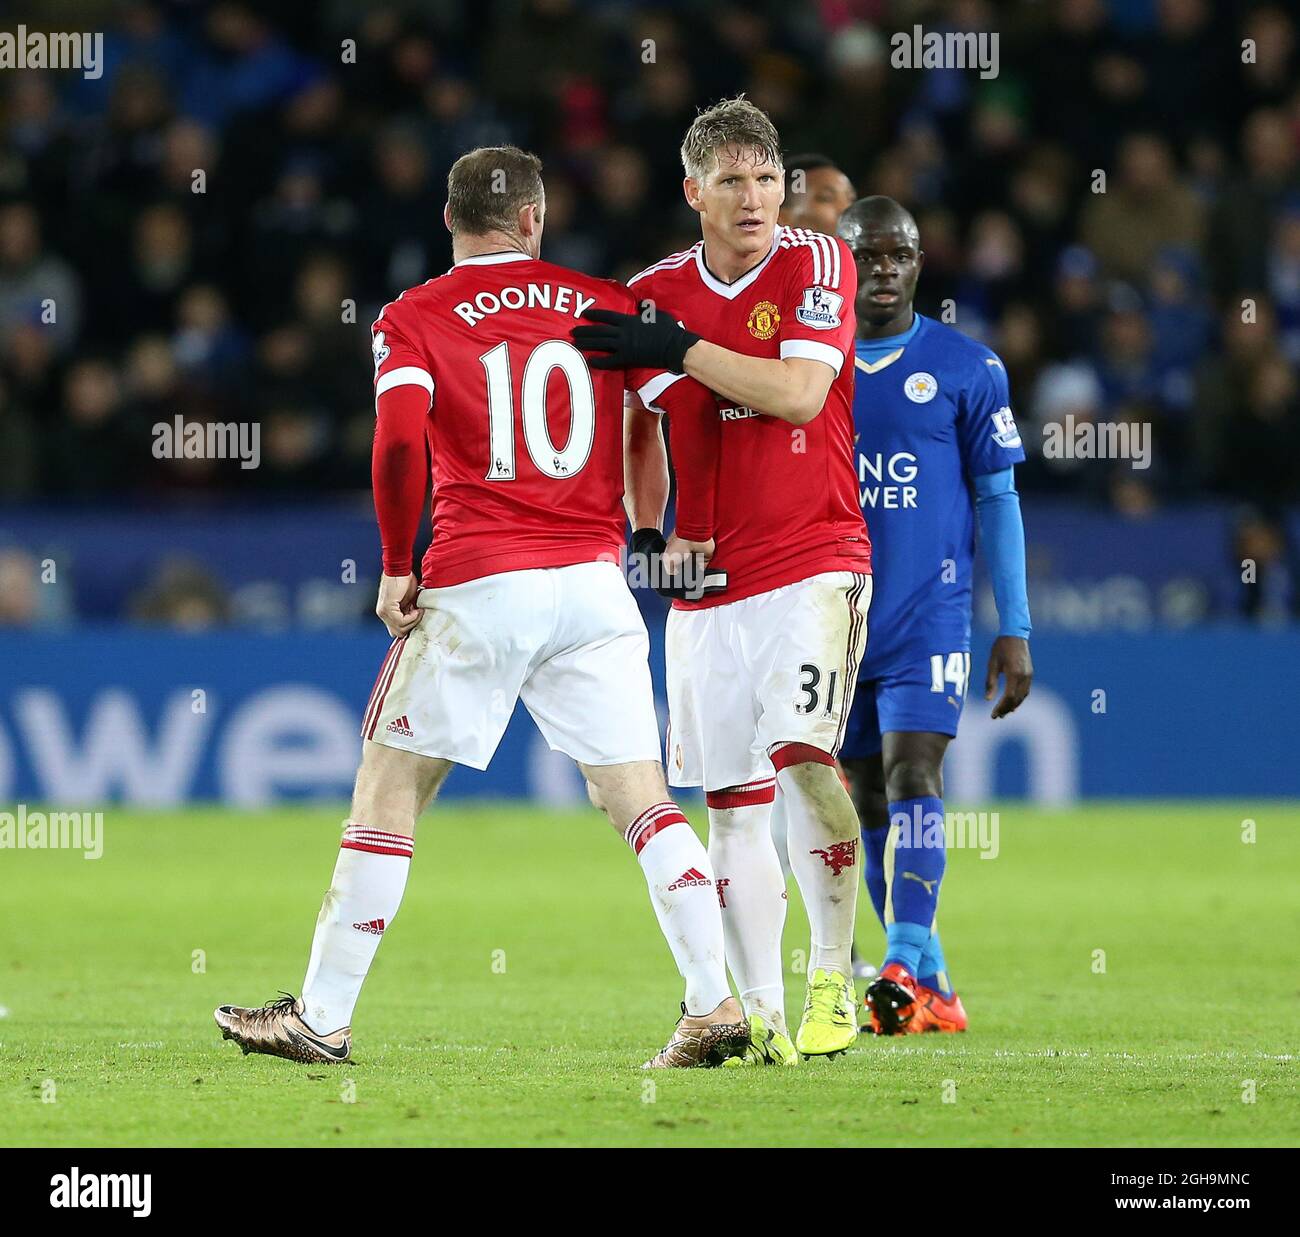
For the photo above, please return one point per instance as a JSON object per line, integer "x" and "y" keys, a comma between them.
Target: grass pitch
{"x": 525, "y": 981}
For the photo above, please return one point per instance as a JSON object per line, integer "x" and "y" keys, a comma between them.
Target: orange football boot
{"x": 892, "y": 1000}
{"x": 936, "y": 1012}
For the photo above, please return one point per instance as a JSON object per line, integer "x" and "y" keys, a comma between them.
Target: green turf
{"x": 107, "y": 1016}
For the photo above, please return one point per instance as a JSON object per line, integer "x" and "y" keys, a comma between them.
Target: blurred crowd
{"x": 217, "y": 218}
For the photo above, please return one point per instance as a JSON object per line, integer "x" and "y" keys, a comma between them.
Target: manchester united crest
{"x": 764, "y": 319}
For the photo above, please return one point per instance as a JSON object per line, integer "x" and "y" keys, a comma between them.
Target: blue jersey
{"x": 928, "y": 418}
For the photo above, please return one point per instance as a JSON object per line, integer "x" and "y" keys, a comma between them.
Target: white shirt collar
{"x": 733, "y": 290}
{"x": 491, "y": 259}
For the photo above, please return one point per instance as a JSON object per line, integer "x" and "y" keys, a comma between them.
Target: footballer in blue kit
{"x": 936, "y": 449}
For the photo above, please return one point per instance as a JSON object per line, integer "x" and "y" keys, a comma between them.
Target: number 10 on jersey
{"x": 548, "y": 459}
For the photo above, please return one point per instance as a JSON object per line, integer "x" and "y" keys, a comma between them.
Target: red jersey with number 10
{"x": 526, "y": 440}
{"x": 786, "y": 504}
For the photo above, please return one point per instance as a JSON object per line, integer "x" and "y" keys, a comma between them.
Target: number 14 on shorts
{"x": 954, "y": 670}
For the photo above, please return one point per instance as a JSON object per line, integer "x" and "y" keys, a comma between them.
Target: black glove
{"x": 629, "y": 341}
{"x": 648, "y": 544}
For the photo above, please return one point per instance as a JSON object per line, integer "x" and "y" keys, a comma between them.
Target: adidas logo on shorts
{"x": 374, "y": 926}
{"x": 401, "y": 726}
{"x": 688, "y": 878}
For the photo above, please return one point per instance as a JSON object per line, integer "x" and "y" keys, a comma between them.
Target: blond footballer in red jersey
{"x": 785, "y": 504}
{"x": 754, "y": 327}
{"x": 521, "y": 598}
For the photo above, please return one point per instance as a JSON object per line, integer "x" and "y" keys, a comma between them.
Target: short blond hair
{"x": 731, "y": 123}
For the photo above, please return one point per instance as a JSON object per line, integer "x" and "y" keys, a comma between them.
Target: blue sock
{"x": 919, "y": 856}
{"x": 873, "y": 866}
{"x": 905, "y": 944}
{"x": 933, "y": 971}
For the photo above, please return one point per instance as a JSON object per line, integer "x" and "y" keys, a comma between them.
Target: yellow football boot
{"x": 828, "y": 1025}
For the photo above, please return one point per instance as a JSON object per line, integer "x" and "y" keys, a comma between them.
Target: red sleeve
{"x": 695, "y": 440}
{"x": 395, "y": 343}
{"x": 399, "y": 472}
{"x": 817, "y": 319}
{"x": 648, "y": 384}
{"x": 399, "y": 462}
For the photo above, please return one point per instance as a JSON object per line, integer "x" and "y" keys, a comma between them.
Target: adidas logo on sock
{"x": 401, "y": 726}
{"x": 375, "y": 927}
{"x": 691, "y": 876}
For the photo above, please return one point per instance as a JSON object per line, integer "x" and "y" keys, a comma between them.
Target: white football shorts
{"x": 567, "y": 641}
{"x": 779, "y": 667}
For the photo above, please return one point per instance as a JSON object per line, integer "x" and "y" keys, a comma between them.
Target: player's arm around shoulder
{"x": 817, "y": 319}
{"x": 791, "y": 389}
{"x": 815, "y": 340}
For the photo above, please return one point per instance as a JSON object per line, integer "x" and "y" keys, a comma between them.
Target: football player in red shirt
{"x": 521, "y": 597}
{"x": 755, "y": 324}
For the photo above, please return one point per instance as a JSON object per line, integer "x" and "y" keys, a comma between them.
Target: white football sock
{"x": 751, "y": 889}
{"x": 780, "y": 829}
{"x": 680, "y": 878}
{"x": 822, "y": 830}
{"x": 360, "y": 906}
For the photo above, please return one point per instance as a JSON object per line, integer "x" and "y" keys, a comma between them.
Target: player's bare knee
{"x": 870, "y": 803}
{"x": 598, "y": 802}
{"x": 624, "y": 791}
{"x": 432, "y": 774}
{"x": 393, "y": 786}
{"x": 914, "y": 777}
{"x": 866, "y": 778}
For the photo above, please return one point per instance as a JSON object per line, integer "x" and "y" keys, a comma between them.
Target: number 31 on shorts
{"x": 953, "y": 669}
{"x": 815, "y": 689}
